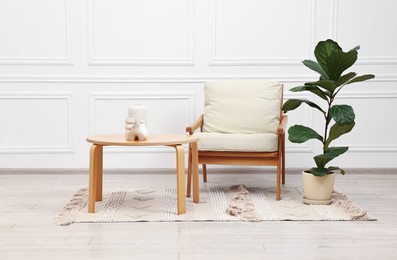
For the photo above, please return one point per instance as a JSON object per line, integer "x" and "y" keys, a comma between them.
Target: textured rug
{"x": 236, "y": 203}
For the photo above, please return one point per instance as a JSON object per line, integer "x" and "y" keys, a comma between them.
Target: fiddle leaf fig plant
{"x": 331, "y": 62}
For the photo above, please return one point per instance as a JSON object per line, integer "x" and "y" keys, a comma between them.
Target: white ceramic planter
{"x": 317, "y": 190}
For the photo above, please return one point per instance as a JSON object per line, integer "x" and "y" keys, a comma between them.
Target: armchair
{"x": 242, "y": 124}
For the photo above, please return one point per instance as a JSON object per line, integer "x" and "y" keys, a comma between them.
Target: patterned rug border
{"x": 241, "y": 204}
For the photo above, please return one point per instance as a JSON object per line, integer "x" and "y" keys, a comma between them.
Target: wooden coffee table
{"x": 173, "y": 140}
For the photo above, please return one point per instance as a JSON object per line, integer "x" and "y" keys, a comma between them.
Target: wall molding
{"x": 362, "y": 60}
{"x": 170, "y": 78}
{"x": 189, "y": 96}
{"x": 42, "y": 149}
{"x": 373, "y": 148}
{"x": 370, "y": 95}
{"x": 93, "y": 60}
{"x": 56, "y": 61}
{"x": 245, "y": 61}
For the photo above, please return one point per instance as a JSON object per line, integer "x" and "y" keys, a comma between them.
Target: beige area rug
{"x": 236, "y": 203}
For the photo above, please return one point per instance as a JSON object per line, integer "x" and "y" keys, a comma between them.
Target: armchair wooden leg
{"x": 278, "y": 189}
{"x": 204, "y": 173}
{"x": 283, "y": 159}
{"x": 278, "y": 193}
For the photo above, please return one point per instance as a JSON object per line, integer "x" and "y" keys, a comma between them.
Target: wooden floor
{"x": 30, "y": 200}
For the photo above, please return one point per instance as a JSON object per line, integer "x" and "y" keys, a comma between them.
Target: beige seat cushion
{"x": 237, "y": 142}
{"x": 242, "y": 107}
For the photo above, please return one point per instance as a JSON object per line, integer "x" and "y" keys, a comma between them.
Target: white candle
{"x": 138, "y": 112}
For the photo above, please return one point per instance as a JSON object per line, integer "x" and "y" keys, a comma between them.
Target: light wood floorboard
{"x": 29, "y": 201}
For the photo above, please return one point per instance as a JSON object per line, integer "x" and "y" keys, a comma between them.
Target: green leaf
{"x": 361, "y": 78}
{"x": 300, "y": 134}
{"x": 333, "y": 168}
{"x": 324, "y": 171}
{"x": 338, "y": 62}
{"x": 323, "y": 50}
{"x": 336, "y": 131}
{"x": 316, "y": 67}
{"x": 356, "y": 48}
{"x": 325, "y": 84}
{"x": 345, "y": 78}
{"x": 332, "y": 152}
{"x": 342, "y": 114}
{"x": 292, "y": 104}
{"x": 332, "y": 59}
{"x": 315, "y": 90}
{"x": 319, "y": 171}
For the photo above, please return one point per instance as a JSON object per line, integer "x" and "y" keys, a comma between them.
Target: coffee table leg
{"x": 196, "y": 187}
{"x": 189, "y": 172}
{"x": 93, "y": 178}
{"x": 99, "y": 170}
{"x": 180, "y": 179}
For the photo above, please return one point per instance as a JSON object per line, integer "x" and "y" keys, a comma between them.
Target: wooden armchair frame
{"x": 276, "y": 158}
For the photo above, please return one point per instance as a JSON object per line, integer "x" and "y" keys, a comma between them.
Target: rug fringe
{"x": 355, "y": 212}
{"x": 69, "y": 212}
{"x": 242, "y": 205}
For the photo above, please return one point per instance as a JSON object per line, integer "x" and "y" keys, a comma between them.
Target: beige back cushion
{"x": 242, "y": 107}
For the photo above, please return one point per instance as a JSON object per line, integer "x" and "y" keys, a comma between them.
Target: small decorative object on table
{"x": 135, "y": 123}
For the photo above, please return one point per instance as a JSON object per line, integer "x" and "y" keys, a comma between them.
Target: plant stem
{"x": 331, "y": 99}
{"x": 327, "y": 121}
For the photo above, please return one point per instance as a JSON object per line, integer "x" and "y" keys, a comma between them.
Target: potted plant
{"x": 331, "y": 63}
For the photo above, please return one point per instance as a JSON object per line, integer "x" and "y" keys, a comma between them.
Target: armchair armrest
{"x": 198, "y": 123}
{"x": 283, "y": 124}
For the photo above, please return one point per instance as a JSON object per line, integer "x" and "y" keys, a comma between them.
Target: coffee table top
{"x": 152, "y": 140}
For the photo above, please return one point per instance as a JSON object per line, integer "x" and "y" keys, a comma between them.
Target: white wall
{"x": 70, "y": 68}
